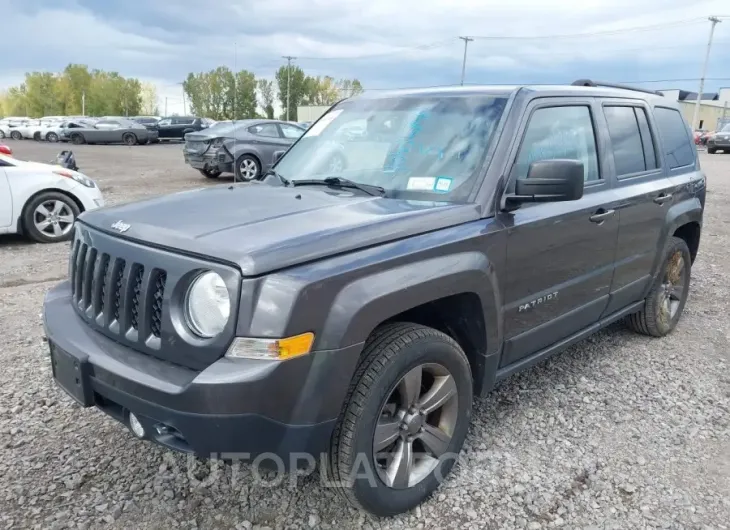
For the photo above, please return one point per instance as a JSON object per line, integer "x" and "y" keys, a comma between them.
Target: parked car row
{"x": 107, "y": 129}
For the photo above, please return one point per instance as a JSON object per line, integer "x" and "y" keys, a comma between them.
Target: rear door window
{"x": 678, "y": 148}
{"x": 631, "y": 140}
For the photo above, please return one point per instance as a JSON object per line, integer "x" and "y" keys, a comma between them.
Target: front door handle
{"x": 664, "y": 197}
{"x": 601, "y": 215}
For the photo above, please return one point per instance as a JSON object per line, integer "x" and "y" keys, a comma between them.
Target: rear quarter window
{"x": 677, "y": 146}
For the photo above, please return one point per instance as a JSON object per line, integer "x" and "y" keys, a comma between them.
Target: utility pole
{"x": 288, "y": 82}
{"x": 165, "y": 106}
{"x": 185, "y": 112}
{"x": 83, "y": 103}
{"x": 696, "y": 117}
{"x": 463, "y": 64}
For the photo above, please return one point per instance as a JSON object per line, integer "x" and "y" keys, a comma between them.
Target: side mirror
{"x": 278, "y": 155}
{"x": 550, "y": 181}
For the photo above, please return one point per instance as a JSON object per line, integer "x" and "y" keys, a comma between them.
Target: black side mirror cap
{"x": 550, "y": 181}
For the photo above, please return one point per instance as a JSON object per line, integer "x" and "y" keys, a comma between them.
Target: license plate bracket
{"x": 72, "y": 375}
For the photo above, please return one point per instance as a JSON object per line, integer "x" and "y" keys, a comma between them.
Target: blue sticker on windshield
{"x": 443, "y": 184}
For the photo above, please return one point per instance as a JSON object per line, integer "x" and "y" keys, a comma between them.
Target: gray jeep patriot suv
{"x": 467, "y": 233}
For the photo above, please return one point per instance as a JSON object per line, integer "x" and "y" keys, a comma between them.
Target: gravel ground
{"x": 621, "y": 431}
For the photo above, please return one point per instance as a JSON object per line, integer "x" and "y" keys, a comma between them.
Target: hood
{"x": 261, "y": 228}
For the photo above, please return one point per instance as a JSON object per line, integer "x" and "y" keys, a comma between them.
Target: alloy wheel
{"x": 674, "y": 284}
{"x": 248, "y": 169}
{"x": 54, "y": 218}
{"x": 415, "y": 426}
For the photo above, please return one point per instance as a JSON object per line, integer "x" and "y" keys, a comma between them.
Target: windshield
{"x": 412, "y": 146}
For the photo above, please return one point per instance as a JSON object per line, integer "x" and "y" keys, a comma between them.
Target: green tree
{"x": 297, "y": 88}
{"x": 73, "y": 83}
{"x": 349, "y": 88}
{"x": 40, "y": 93}
{"x": 266, "y": 93}
{"x": 148, "y": 95}
{"x": 222, "y": 95}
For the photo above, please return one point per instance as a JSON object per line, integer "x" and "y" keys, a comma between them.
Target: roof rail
{"x": 588, "y": 82}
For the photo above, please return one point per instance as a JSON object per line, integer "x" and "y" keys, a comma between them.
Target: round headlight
{"x": 207, "y": 305}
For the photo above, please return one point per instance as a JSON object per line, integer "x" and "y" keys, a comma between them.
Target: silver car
{"x": 246, "y": 148}
{"x": 110, "y": 131}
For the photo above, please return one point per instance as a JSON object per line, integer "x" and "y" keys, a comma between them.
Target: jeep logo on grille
{"x": 121, "y": 227}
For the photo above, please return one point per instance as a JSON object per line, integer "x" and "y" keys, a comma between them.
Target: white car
{"x": 38, "y": 130}
{"x": 9, "y": 125}
{"x": 42, "y": 201}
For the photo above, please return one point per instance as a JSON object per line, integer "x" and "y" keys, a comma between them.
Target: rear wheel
{"x": 246, "y": 168}
{"x": 668, "y": 295}
{"x": 77, "y": 139}
{"x": 210, "y": 173}
{"x": 15, "y": 135}
{"x": 405, "y": 419}
{"x": 2, "y": 135}
{"x": 129, "y": 139}
{"x": 50, "y": 217}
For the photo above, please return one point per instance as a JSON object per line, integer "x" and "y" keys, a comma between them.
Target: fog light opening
{"x": 135, "y": 426}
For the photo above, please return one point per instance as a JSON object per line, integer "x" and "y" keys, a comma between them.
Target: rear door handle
{"x": 601, "y": 216}
{"x": 664, "y": 197}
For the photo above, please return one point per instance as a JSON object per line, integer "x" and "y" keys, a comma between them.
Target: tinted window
{"x": 559, "y": 132}
{"x": 628, "y": 151}
{"x": 265, "y": 129}
{"x": 678, "y": 148}
{"x": 291, "y": 132}
{"x": 183, "y": 121}
{"x": 165, "y": 122}
{"x": 647, "y": 140}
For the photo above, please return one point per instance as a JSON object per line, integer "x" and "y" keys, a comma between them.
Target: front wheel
{"x": 77, "y": 139}
{"x": 668, "y": 294}
{"x": 15, "y": 135}
{"x": 52, "y": 137}
{"x": 405, "y": 419}
{"x": 49, "y": 217}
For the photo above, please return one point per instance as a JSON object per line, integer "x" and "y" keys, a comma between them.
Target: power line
{"x": 635, "y": 29}
{"x": 405, "y": 49}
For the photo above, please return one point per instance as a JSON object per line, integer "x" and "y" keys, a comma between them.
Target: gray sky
{"x": 384, "y": 43}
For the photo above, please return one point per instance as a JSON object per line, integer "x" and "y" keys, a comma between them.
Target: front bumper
{"x": 719, "y": 142}
{"x": 232, "y": 409}
{"x": 213, "y": 159}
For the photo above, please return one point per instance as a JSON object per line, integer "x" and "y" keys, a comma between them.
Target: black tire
{"x": 210, "y": 173}
{"x": 129, "y": 139}
{"x": 252, "y": 174}
{"x": 2, "y": 135}
{"x": 391, "y": 352}
{"x": 711, "y": 150}
{"x": 15, "y": 135}
{"x": 30, "y": 215}
{"x": 52, "y": 137}
{"x": 77, "y": 139}
{"x": 37, "y": 136}
{"x": 653, "y": 319}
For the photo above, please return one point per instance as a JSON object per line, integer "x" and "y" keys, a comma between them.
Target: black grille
{"x": 117, "y": 295}
{"x": 136, "y": 295}
{"x": 156, "y": 313}
{"x": 118, "y": 277}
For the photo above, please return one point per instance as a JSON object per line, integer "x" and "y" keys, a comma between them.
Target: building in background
{"x": 311, "y": 112}
{"x": 714, "y": 106}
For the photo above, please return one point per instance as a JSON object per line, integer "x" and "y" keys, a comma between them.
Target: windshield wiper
{"x": 339, "y": 182}
{"x": 278, "y": 175}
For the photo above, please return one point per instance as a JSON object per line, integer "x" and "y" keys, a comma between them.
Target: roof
{"x": 508, "y": 90}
